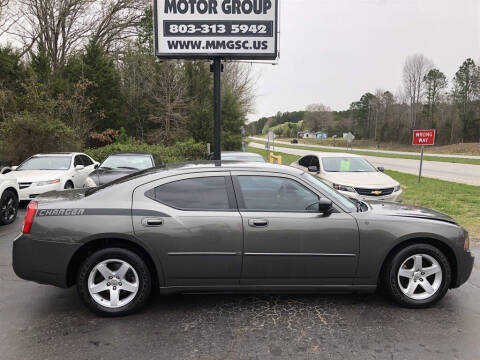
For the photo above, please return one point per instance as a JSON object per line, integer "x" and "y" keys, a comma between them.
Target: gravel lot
{"x": 43, "y": 322}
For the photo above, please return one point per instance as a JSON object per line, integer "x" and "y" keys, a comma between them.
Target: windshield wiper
{"x": 127, "y": 167}
{"x": 105, "y": 167}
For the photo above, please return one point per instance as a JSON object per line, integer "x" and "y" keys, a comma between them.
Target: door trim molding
{"x": 300, "y": 254}
{"x": 193, "y": 253}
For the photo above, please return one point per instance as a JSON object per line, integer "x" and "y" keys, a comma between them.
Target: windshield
{"x": 243, "y": 158}
{"x": 331, "y": 193}
{"x": 46, "y": 163}
{"x": 134, "y": 162}
{"x": 347, "y": 164}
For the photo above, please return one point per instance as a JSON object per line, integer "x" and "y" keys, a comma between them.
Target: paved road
{"x": 461, "y": 173}
{"x": 376, "y": 151}
{"x": 42, "y": 322}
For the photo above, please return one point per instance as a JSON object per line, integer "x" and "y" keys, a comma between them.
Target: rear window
{"x": 207, "y": 193}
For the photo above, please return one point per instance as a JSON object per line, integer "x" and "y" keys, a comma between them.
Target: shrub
{"x": 181, "y": 151}
{"x": 26, "y": 134}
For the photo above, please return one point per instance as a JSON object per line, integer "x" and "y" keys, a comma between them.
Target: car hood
{"x": 359, "y": 179}
{"x": 404, "y": 210}
{"x": 103, "y": 176}
{"x": 36, "y": 175}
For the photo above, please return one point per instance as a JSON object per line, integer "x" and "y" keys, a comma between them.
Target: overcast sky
{"x": 333, "y": 51}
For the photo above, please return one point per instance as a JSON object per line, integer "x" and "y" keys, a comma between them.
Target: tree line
{"x": 73, "y": 73}
{"x": 427, "y": 99}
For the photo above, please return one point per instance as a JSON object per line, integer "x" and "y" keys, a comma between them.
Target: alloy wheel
{"x": 113, "y": 283}
{"x": 420, "y": 276}
{"x": 8, "y": 209}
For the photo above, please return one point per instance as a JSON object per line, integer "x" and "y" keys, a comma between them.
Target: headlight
{"x": 343, "y": 188}
{"x": 89, "y": 182}
{"x": 397, "y": 188}
{"x": 49, "y": 182}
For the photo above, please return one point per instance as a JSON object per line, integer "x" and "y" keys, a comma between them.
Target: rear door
{"x": 192, "y": 223}
{"x": 285, "y": 244}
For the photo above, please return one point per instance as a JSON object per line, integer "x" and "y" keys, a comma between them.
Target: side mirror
{"x": 381, "y": 169}
{"x": 79, "y": 167}
{"x": 323, "y": 206}
{"x": 313, "y": 169}
{"x": 96, "y": 166}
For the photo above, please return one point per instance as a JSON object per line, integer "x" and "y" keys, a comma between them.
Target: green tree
{"x": 466, "y": 90}
{"x": 106, "y": 102}
{"x": 435, "y": 83}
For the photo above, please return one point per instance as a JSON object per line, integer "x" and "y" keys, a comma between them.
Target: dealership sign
{"x": 423, "y": 137}
{"x": 231, "y": 29}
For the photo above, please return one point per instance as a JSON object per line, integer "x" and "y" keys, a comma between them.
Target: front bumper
{"x": 33, "y": 191}
{"x": 44, "y": 262}
{"x": 396, "y": 196}
{"x": 464, "y": 268}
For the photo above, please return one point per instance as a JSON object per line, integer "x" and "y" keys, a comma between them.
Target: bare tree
{"x": 8, "y": 17}
{"x": 241, "y": 81}
{"x": 318, "y": 117}
{"x": 414, "y": 70}
{"x": 170, "y": 102}
{"x": 116, "y": 21}
{"x": 62, "y": 26}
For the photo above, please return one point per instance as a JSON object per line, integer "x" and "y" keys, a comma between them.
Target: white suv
{"x": 8, "y": 199}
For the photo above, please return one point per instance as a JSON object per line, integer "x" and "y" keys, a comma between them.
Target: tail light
{"x": 29, "y": 216}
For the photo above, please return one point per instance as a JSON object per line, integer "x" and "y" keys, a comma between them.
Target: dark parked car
{"x": 235, "y": 226}
{"x": 118, "y": 165}
{"x": 294, "y": 141}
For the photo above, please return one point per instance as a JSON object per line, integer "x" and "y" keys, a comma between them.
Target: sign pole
{"x": 216, "y": 68}
{"x": 421, "y": 164}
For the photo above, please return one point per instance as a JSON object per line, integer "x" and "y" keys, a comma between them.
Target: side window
{"x": 86, "y": 160}
{"x": 305, "y": 161}
{"x": 315, "y": 162}
{"x": 78, "y": 160}
{"x": 208, "y": 193}
{"x": 274, "y": 194}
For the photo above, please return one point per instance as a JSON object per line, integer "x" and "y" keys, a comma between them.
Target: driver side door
{"x": 285, "y": 244}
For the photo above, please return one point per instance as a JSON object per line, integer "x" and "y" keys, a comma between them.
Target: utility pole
{"x": 217, "y": 68}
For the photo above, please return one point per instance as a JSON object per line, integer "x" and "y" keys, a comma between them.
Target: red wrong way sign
{"x": 423, "y": 137}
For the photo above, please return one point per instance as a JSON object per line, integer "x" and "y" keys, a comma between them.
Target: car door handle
{"x": 152, "y": 222}
{"x": 258, "y": 222}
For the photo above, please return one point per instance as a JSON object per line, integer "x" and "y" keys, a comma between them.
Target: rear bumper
{"x": 44, "y": 262}
{"x": 464, "y": 268}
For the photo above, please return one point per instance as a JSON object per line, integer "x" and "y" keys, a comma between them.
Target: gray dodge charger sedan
{"x": 233, "y": 226}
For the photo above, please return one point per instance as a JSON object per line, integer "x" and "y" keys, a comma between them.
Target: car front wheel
{"x": 417, "y": 276}
{"x": 8, "y": 207}
{"x": 114, "y": 282}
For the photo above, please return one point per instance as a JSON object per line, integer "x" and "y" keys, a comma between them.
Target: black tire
{"x": 391, "y": 282}
{"x": 8, "y": 207}
{"x": 144, "y": 277}
{"x": 68, "y": 185}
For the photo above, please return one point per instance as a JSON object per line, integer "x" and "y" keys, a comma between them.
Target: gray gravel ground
{"x": 43, "y": 322}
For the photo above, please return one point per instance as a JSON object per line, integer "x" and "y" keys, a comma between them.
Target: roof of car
{"x": 333, "y": 154}
{"x": 240, "y": 153}
{"x": 229, "y": 165}
{"x": 130, "y": 153}
{"x": 58, "y": 153}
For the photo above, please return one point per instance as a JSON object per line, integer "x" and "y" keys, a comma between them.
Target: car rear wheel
{"x": 418, "y": 275}
{"x": 8, "y": 207}
{"x": 114, "y": 282}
